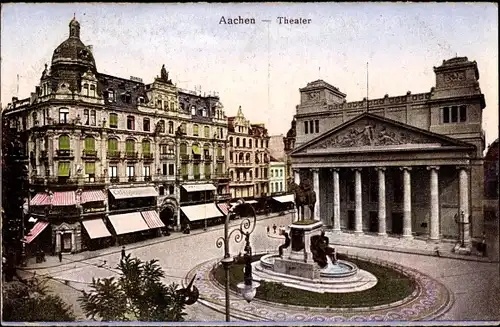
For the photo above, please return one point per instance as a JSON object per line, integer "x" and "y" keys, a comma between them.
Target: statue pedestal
{"x": 296, "y": 268}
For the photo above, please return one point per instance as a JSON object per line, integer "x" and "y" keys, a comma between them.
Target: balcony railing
{"x": 114, "y": 179}
{"x": 167, "y": 155}
{"x": 220, "y": 158}
{"x": 114, "y": 154}
{"x": 64, "y": 153}
{"x": 197, "y": 176}
{"x": 147, "y": 156}
{"x": 184, "y": 157}
{"x": 131, "y": 155}
{"x": 89, "y": 153}
{"x": 196, "y": 157}
{"x": 147, "y": 178}
{"x": 221, "y": 176}
{"x": 185, "y": 177}
{"x": 94, "y": 180}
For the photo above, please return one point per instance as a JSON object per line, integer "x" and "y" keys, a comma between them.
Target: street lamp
{"x": 248, "y": 288}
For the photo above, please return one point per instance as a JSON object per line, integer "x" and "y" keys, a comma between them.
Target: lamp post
{"x": 248, "y": 287}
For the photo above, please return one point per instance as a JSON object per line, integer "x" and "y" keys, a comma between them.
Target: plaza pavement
{"x": 472, "y": 281}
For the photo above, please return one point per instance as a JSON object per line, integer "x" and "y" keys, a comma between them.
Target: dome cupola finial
{"x": 74, "y": 28}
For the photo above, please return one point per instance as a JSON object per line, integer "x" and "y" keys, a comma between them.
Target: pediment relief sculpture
{"x": 371, "y": 134}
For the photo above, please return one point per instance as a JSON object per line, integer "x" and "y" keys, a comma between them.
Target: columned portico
{"x": 358, "y": 226}
{"x": 296, "y": 176}
{"x": 336, "y": 200}
{"x": 464, "y": 205}
{"x": 382, "y": 228}
{"x": 407, "y": 233}
{"x": 317, "y": 206}
{"x": 434, "y": 205}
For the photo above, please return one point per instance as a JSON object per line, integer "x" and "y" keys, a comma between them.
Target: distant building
{"x": 248, "y": 162}
{"x": 277, "y": 177}
{"x": 276, "y": 147}
{"x": 408, "y": 165}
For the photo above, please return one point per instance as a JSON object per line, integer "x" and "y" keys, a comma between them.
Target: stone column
{"x": 382, "y": 212}
{"x": 296, "y": 176}
{"x": 58, "y": 242}
{"x": 317, "y": 215}
{"x": 407, "y": 203}
{"x": 358, "y": 227}
{"x": 73, "y": 241}
{"x": 434, "y": 203}
{"x": 336, "y": 200}
{"x": 464, "y": 204}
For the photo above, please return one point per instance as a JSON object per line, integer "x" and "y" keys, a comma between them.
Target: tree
{"x": 137, "y": 294}
{"x": 30, "y": 301}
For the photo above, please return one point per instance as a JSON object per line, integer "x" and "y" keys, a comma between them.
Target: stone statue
{"x": 284, "y": 245}
{"x": 164, "y": 73}
{"x": 321, "y": 250}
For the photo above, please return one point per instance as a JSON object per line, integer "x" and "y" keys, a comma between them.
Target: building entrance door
{"x": 397, "y": 223}
{"x": 351, "y": 223}
{"x": 373, "y": 221}
{"x": 66, "y": 242}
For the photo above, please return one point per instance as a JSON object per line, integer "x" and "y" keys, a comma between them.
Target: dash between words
{"x": 251, "y": 21}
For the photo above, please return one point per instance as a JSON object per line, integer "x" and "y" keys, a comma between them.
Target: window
{"x": 45, "y": 115}
{"x": 92, "y": 118}
{"x": 112, "y": 171}
{"x": 161, "y": 190}
{"x": 159, "y": 103}
{"x": 231, "y": 156}
{"x": 64, "y": 142}
{"x": 221, "y": 133}
{"x": 184, "y": 170}
{"x": 204, "y": 112}
{"x": 163, "y": 149}
{"x": 164, "y": 169}
{"x": 231, "y": 141}
{"x": 89, "y": 143}
{"x": 171, "y": 148}
{"x": 130, "y": 146}
{"x": 206, "y": 131}
{"x": 196, "y": 171}
{"x": 183, "y": 128}
{"x": 145, "y": 125}
{"x": 171, "y": 169}
{"x": 63, "y": 169}
{"x": 220, "y": 169}
{"x": 316, "y": 123}
{"x": 112, "y": 146}
{"x": 244, "y": 143}
{"x": 146, "y": 147}
{"x": 237, "y": 142}
{"x": 195, "y": 130}
{"x": 305, "y": 127}
{"x": 193, "y": 111}
{"x": 256, "y": 172}
{"x": 272, "y": 172}
{"x": 219, "y": 151}
{"x": 250, "y": 143}
{"x": 86, "y": 89}
{"x": 63, "y": 115}
{"x": 206, "y": 151}
{"x": 86, "y": 118}
{"x": 281, "y": 186}
{"x": 171, "y": 189}
{"x": 111, "y": 95}
{"x": 130, "y": 171}
{"x": 463, "y": 113}
{"x": 170, "y": 127}
{"x": 373, "y": 196}
{"x": 90, "y": 169}
{"x": 92, "y": 90}
{"x": 35, "y": 120}
{"x": 146, "y": 172}
{"x": 113, "y": 120}
{"x": 130, "y": 122}
{"x": 207, "y": 171}
{"x": 454, "y": 114}
{"x": 183, "y": 149}
{"x": 311, "y": 126}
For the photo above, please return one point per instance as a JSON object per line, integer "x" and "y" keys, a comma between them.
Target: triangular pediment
{"x": 369, "y": 132}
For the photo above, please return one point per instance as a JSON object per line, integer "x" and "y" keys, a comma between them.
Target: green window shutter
{"x": 112, "y": 145}
{"x": 146, "y": 147}
{"x": 89, "y": 144}
{"x": 196, "y": 149}
{"x": 63, "y": 169}
{"x": 113, "y": 119}
{"x": 64, "y": 142}
{"x": 129, "y": 146}
{"x": 196, "y": 169}
{"x": 183, "y": 149}
{"x": 219, "y": 151}
{"x": 219, "y": 169}
{"x": 195, "y": 129}
{"x": 90, "y": 168}
{"x": 207, "y": 170}
{"x": 207, "y": 131}
{"x": 184, "y": 169}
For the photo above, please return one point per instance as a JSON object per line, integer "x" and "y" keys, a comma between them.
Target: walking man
{"x": 60, "y": 256}
{"x": 123, "y": 252}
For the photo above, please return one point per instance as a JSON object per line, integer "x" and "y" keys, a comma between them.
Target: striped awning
{"x": 35, "y": 231}
{"x": 134, "y": 192}
{"x": 41, "y": 199}
{"x": 93, "y": 196}
{"x": 152, "y": 219}
{"x": 96, "y": 228}
{"x": 223, "y": 207}
{"x": 201, "y": 211}
{"x": 64, "y": 199}
{"x": 128, "y": 223}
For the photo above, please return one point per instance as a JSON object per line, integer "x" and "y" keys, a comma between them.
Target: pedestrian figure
{"x": 38, "y": 256}
{"x": 274, "y": 228}
{"x": 123, "y": 252}
{"x": 42, "y": 255}
{"x": 268, "y": 229}
{"x": 483, "y": 245}
{"x": 60, "y": 256}
{"x": 437, "y": 251}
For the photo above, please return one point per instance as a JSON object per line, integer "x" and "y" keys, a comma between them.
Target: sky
{"x": 261, "y": 66}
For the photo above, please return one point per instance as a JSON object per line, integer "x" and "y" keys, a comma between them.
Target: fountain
{"x": 309, "y": 266}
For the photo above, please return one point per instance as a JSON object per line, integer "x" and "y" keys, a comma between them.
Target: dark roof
{"x": 124, "y": 89}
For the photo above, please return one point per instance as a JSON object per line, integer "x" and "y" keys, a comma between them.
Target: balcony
{"x": 220, "y": 158}
{"x": 208, "y": 158}
{"x": 131, "y": 155}
{"x": 94, "y": 180}
{"x": 147, "y": 178}
{"x": 170, "y": 156}
{"x": 185, "y": 177}
{"x": 66, "y": 154}
{"x": 114, "y": 179}
{"x": 89, "y": 154}
{"x": 147, "y": 156}
{"x": 197, "y": 177}
{"x": 184, "y": 157}
{"x": 114, "y": 155}
{"x": 221, "y": 176}
{"x": 196, "y": 157}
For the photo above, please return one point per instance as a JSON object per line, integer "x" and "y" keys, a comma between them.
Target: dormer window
{"x": 92, "y": 91}
{"x": 141, "y": 99}
{"x": 193, "y": 111}
{"x": 111, "y": 95}
{"x": 86, "y": 89}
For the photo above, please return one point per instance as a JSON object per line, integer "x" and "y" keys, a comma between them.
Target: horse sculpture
{"x": 304, "y": 196}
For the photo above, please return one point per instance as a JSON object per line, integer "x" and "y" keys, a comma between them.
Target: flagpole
{"x": 367, "y": 101}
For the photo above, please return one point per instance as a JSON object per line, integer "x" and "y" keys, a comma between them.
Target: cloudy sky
{"x": 262, "y": 66}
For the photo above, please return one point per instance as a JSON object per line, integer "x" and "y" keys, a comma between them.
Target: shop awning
{"x": 284, "y": 198}
{"x": 93, "y": 196}
{"x": 64, "y": 199}
{"x": 251, "y": 201}
{"x": 199, "y": 187}
{"x": 35, "y": 231}
{"x": 201, "y": 211}
{"x": 96, "y": 228}
{"x": 41, "y": 199}
{"x": 196, "y": 149}
{"x": 152, "y": 219}
{"x": 133, "y": 192}
{"x": 128, "y": 223}
{"x": 223, "y": 207}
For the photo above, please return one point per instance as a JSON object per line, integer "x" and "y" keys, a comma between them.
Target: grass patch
{"x": 392, "y": 286}
{"x": 305, "y": 222}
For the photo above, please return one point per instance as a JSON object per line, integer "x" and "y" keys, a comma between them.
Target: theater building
{"x": 408, "y": 165}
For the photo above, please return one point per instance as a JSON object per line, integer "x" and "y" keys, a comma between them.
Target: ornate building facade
{"x": 248, "y": 158}
{"x": 112, "y": 157}
{"x": 408, "y": 165}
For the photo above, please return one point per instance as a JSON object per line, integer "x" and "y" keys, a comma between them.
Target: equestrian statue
{"x": 304, "y": 196}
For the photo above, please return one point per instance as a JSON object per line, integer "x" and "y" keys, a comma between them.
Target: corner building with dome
{"x": 114, "y": 160}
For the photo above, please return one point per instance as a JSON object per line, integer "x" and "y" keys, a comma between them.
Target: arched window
{"x": 86, "y": 89}
{"x": 231, "y": 175}
{"x": 64, "y": 142}
{"x": 250, "y": 143}
{"x": 247, "y": 157}
{"x": 195, "y": 130}
{"x": 204, "y": 112}
{"x": 183, "y": 149}
{"x": 112, "y": 147}
{"x": 161, "y": 126}
{"x": 89, "y": 143}
{"x": 250, "y": 174}
{"x": 111, "y": 95}
{"x": 193, "y": 111}
{"x": 170, "y": 127}
{"x": 131, "y": 122}
{"x": 146, "y": 125}
{"x": 240, "y": 157}
{"x": 86, "y": 118}
{"x": 130, "y": 146}
{"x": 206, "y": 131}
{"x": 231, "y": 141}
{"x": 146, "y": 147}
{"x": 219, "y": 151}
{"x": 237, "y": 141}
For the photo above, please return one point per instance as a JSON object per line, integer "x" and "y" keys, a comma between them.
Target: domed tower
{"x": 71, "y": 59}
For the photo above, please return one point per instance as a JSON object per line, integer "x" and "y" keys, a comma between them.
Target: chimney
{"x": 14, "y": 99}
{"x": 37, "y": 89}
